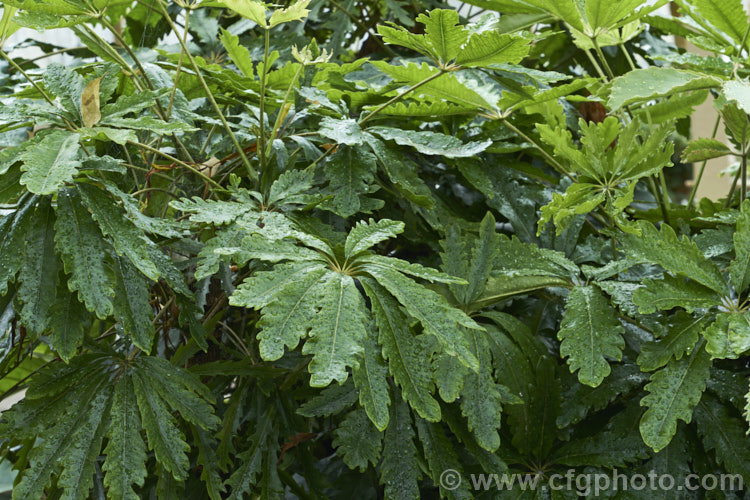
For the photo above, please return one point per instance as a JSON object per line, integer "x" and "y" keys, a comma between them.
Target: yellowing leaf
{"x": 90, "y": 110}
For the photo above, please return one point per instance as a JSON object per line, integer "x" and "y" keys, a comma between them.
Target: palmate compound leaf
{"x": 50, "y": 163}
{"x": 673, "y": 393}
{"x": 590, "y": 332}
{"x": 84, "y": 254}
{"x": 74, "y": 405}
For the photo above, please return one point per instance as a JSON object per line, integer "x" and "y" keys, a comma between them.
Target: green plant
{"x": 335, "y": 248}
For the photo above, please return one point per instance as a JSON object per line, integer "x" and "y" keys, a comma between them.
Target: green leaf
{"x": 164, "y": 437}
{"x": 490, "y": 47}
{"x": 678, "y": 256}
{"x": 350, "y": 173}
{"x": 590, "y": 332}
{"x": 288, "y": 299}
{"x": 211, "y": 212}
{"x": 344, "y": 131}
{"x": 125, "y": 462}
{"x": 602, "y": 15}
{"x": 131, "y": 304}
{"x": 430, "y": 309}
{"x": 673, "y": 393}
{"x": 565, "y": 10}
{"x": 398, "y": 35}
{"x": 483, "y": 255}
{"x": 604, "y": 449}
{"x": 68, "y": 318}
{"x": 445, "y": 86}
{"x": 400, "y": 468}
{"x": 239, "y": 54}
{"x": 580, "y": 400}
{"x": 480, "y": 398}
{"x": 366, "y": 234}
{"x": 127, "y": 239}
{"x": 38, "y": 274}
{"x": 728, "y": 336}
{"x": 50, "y": 163}
{"x": 440, "y": 456}
{"x": 370, "y": 380}
{"x": 727, "y": 15}
{"x": 646, "y": 84}
{"x": 81, "y": 418}
{"x": 723, "y": 432}
{"x": 65, "y": 84}
{"x": 147, "y": 123}
{"x": 357, "y": 440}
{"x": 295, "y": 12}
{"x": 450, "y": 374}
{"x": 504, "y": 287}
{"x": 739, "y": 268}
{"x": 704, "y": 149}
{"x": 337, "y": 331}
{"x": 431, "y": 143}
{"x": 132, "y": 103}
{"x": 209, "y": 461}
{"x": 245, "y": 477}
{"x": 672, "y": 292}
{"x": 180, "y": 389}
{"x": 84, "y": 254}
{"x": 410, "y": 268}
{"x": 332, "y": 400}
{"x": 407, "y": 355}
{"x": 251, "y": 9}
{"x": 682, "y": 333}
{"x": 443, "y": 33}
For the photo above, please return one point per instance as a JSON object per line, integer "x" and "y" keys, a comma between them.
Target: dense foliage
{"x": 331, "y": 249}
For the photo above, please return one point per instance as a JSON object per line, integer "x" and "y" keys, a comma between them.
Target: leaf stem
{"x": 703, "y": 166}
{"x": 556, "y": 164}
{"x": 600, "y": 53}
{"x": 252, "y": 174}
{"x": 262, "y": 134}
{"x": 178, "y": 162}
{"x": 400, "y": 96}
